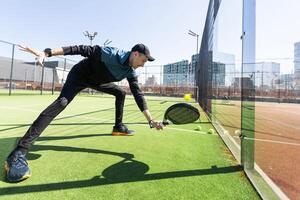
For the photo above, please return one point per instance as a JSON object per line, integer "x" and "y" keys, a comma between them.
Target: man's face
{"x": 139, "y": 60}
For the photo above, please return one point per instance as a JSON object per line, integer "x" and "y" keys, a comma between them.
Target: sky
{"x": 277, "y": 29}
{"x": 160, "y": 24}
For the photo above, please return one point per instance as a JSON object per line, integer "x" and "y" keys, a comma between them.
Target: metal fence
{"x": 253, "y": 102}
{"x": 19, "y": 73}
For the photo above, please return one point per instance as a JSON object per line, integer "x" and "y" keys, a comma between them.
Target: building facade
{"x": 266, "y": 75}
{"x": 176, "y": 74}
{"x": 297, "y": 63}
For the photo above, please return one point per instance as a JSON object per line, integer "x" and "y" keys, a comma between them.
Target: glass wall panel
{"x": 277, "y": 82}
{"x": 226, "y": 67}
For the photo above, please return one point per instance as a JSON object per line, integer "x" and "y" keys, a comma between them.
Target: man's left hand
{"x": 157, "y": 125}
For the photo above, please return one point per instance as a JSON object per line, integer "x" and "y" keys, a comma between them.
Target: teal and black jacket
{"x": 108, "y": 64}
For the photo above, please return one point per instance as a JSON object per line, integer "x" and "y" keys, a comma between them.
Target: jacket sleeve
{"x": 83, "y": 50}
{"x": 137, "y": 93}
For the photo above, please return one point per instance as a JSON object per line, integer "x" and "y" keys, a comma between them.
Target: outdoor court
{"x": 77, "y": 158}
{"x": 277, "y": 145}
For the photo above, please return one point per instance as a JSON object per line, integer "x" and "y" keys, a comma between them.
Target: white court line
{"x": 39, "y": 111}
{"x": 105, "y": 120}
{"x": 288, "y": 111}
{"x": 271, "y": 141}
{"x": 262, "y": 116}
{"x": 176, "y": 129}
{"x": 19, "y": 108}
{"x": 191, "y": 131}
{"x": 279, "y": 122}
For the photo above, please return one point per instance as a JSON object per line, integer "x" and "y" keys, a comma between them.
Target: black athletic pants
{"x": 74, "y": 84}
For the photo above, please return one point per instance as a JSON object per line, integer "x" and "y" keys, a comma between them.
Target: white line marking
{"x": 104, "y": 120}
{"x": 272, "y": 141}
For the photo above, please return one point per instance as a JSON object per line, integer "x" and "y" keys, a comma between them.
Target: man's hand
{"x": 155, "y": 124}
{"x": 40, "y": 55}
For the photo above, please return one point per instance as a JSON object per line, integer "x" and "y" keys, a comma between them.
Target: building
{"x": 191, "y": 69}
{"x": 26, "y": 72}
{"x": 286, "y": 82}
{"x": 297, "y": 63}
{"x": 228, "y": 62}
{"x": 218, "y": 70}
{"x": 151, "y": 81}
{"x": 265, "y": 75}
{"x": 176, "y": 74}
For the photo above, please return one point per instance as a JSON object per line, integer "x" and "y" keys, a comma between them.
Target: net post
{"x": 248, "y": 86}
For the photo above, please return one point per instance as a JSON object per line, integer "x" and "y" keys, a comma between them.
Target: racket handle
{"x": 150, "y": 124}
{"x": 165, "y": 123}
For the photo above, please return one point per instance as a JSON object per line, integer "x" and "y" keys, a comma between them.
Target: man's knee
{"x": 121, "y": 94}
{"x": 63, "y": 101}
{"x": 56, "y": 107}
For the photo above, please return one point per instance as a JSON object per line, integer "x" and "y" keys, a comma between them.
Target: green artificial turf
{"x": 77, "y": 158}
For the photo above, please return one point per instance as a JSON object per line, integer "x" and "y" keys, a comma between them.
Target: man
{"x": 101, "y": 67}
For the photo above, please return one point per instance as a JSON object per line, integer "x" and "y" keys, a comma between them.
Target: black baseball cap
{"x": 141, "y": 48}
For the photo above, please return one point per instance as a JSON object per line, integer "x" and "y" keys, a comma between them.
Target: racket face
{"x": 182, "y": 113}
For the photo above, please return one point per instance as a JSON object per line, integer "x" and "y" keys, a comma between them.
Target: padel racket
{"x": 181, "y": 113}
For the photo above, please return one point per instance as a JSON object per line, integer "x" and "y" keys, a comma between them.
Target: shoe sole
{"x": 26, "y": 176}
{"x": 122, "y": 134}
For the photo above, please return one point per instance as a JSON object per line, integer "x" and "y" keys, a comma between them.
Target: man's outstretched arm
{"x": 141, "y": 102}
{"x": 83, "y": 50}
{"x": 41, "y": 55}
{"x": 152, "y": 122}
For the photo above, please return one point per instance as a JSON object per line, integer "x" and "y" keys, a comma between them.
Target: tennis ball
{"x": 211, "y": 131}
{"x": 187, "y": 97}
{"x": 198, "y": 128}
{"x": 237, "y": 132}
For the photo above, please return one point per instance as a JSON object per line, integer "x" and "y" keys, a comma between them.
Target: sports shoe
{"x": 122, "y": 130}
{"x": 16, "y": 167}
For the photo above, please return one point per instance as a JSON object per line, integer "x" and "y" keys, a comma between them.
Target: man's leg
{"x": 16, "y": 164}
{"x": 71, "y": 88}
{"x": 119, "y": 93}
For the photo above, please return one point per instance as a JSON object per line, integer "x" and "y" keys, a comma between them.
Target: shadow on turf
{"x": 136, "y": 171}
{"x": 16, "y": 126}
{"x": 37, "y": 148}
{"x": 46, "y": 138}
{"x": 125, "y": 171}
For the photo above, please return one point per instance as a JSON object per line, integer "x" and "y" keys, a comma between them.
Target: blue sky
{"x": 161, "y": 25}
{"x": 277, "y": 29}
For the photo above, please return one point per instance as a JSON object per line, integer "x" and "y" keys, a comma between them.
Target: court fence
{"x": 253, "y": 105}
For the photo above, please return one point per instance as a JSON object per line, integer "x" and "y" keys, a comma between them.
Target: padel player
{"x": 101, "y": 67}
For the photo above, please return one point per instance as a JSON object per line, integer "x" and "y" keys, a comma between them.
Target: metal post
{"x": 262, "y": 80}
{"x": 145, "y": 74}
{"x": 42, "y": 80}
{"x": 53, "y": 71}
{"x": 11, "y": 69}
{"x": 248, "y": 85}
{"x": 194, "y": 35}
{"x": 91, "y": 37}
{"x": 160, "y": 82}
{"x": 279, "y": 91}
{"x": 65, "y": 66}
{"x": 25, "y": 79}
{"x": 197, "y": 45}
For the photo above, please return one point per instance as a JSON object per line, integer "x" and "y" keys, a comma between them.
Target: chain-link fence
{"x": 21, "y": 74}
